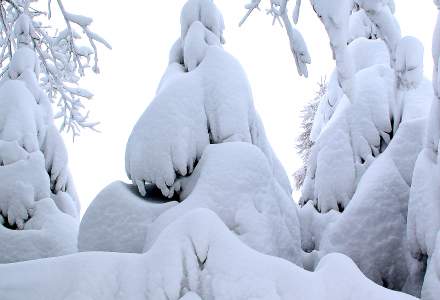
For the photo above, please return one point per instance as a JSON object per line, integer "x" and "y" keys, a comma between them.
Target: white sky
{"x": 142, "y": 32}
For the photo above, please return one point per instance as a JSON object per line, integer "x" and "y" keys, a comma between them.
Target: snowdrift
{"x": 195, "y": 257}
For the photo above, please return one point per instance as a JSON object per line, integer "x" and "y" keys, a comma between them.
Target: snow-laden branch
{"x": 381, "y": 15}
{"x": 64, "y": 54}
{"x": 278, "y": 10}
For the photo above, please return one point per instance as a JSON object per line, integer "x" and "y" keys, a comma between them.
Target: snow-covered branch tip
{"x": 64, "y": 55}
{"x": 279, "y": 12}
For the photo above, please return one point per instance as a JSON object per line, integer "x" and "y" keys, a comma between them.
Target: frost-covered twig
{"x": 278, "y": 10}
{"x": 63, "y": 55}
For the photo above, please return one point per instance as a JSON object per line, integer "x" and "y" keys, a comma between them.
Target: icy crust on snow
{"x": 48, "y": 233}
{"x": 236, "y": 182}
{"x": 196, "y": 257}
{"x": 118, "y": 219}
{"x": 212, "y": 104}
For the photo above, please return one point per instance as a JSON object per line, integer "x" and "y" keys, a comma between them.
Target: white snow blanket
{"x": 196, "y": 257}
{"x": 235, "y": 181}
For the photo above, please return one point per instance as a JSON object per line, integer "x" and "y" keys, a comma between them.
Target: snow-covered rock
{"x": 196, "y": 255}
{"x": 235, "y": 181}
{"x": 118, "y": 219}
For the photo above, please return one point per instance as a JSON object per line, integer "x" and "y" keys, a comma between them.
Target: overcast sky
{"x": 142, "y": 32}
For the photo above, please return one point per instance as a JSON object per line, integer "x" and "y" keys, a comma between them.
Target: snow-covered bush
{"x": 196, "y": 257}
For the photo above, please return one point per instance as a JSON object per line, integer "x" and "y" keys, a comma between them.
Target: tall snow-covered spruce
{"x": 366, "y": 135}
{"x": 39, "y": 208}
{"x": 202, "y": 142}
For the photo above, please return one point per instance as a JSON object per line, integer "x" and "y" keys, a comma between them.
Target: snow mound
{"x": 195, "y": 255}
{"x": 48, "y": 233}
{"x": 118, "y": 218}
{"x": 236, "y": 182}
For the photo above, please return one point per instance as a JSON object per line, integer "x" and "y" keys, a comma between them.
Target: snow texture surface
{"x": 196, "y": 257}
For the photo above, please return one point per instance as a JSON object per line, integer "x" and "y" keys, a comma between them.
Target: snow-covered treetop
{"x": 64, "y": 54}
{"x": 279, "y": 11}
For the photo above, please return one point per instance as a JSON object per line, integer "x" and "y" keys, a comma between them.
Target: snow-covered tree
{"x": 200, "y": 138}
{"x": 366, "y": 136}
{"x": 64, "y": 54}
{"x": 38, "y": 204}
{"x": 304, "y": 140}
{"x": 204, "y": 98}
{"x": 424, "y": 206}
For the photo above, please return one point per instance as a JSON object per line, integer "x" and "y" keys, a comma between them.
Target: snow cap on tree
{"x": 204, "y": 11}
{"x": 409, "y": 62}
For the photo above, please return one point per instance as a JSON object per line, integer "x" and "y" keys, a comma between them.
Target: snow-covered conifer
{"x": 38, "y": 196}
{"x": 304, "y": 140}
